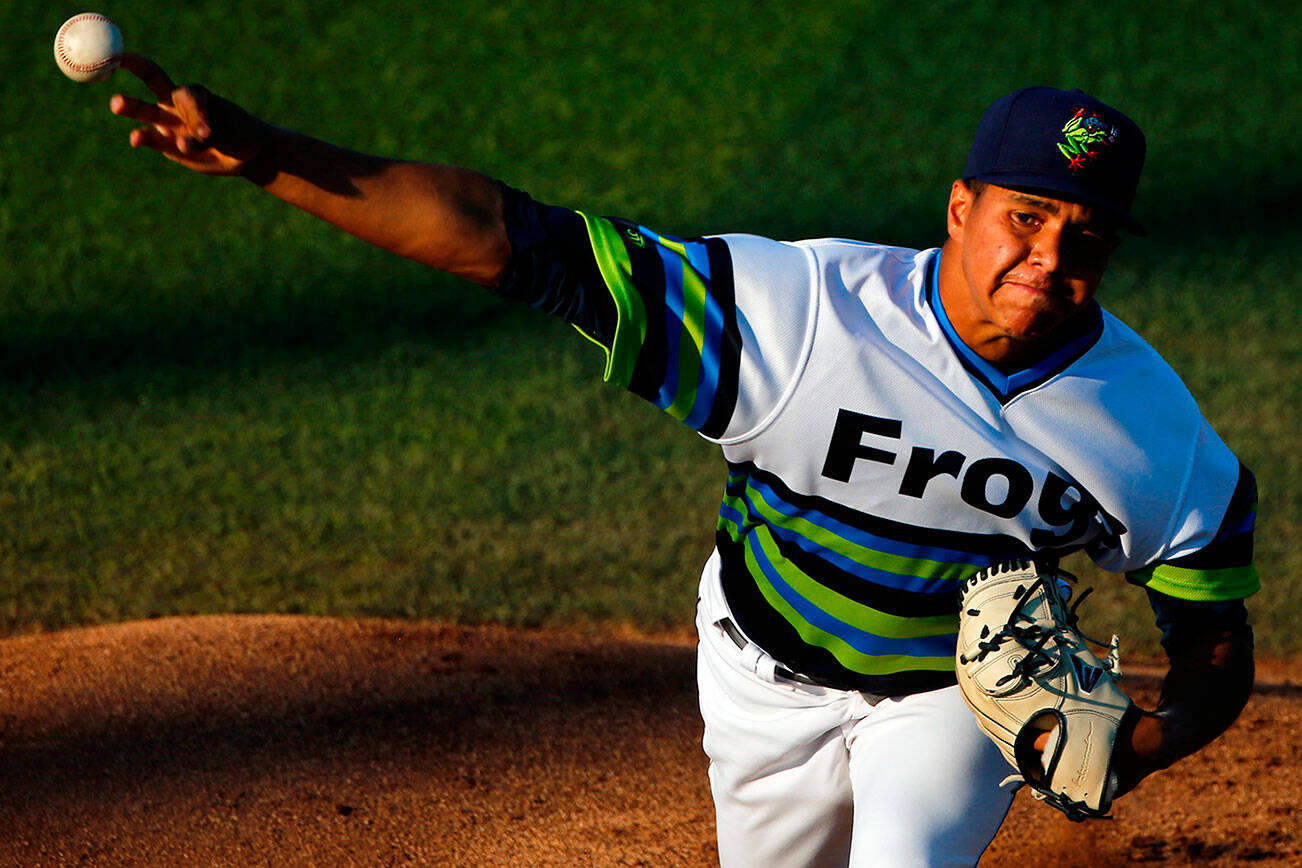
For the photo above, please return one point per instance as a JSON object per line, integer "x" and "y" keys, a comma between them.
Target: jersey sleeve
{"x": 1185, "y": 622}
{"x": 1223, "y": 568}
{"x": 664, "y": 310}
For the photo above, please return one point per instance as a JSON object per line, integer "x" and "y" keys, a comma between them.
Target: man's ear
{"x": 961, "y": 198}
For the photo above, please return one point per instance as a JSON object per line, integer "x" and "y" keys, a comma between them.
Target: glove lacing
{"x": 1033, "y": 635}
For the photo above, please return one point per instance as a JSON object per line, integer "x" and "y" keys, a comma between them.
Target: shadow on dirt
{"x": 246, "y": 697}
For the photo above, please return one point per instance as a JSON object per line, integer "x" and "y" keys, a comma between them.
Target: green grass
{"x": 208, "y": 402}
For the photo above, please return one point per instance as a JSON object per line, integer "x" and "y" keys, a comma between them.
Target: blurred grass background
{"x": 211, "y": 403}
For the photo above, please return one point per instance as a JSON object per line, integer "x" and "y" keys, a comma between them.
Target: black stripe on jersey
{"x": 1232, "y": 546}
{"x": 723, "y": 291}
{"x": 993, "y": 545}
{"x": 768, "y": 629}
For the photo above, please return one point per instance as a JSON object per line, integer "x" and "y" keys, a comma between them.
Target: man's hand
{"x": 190, "y": 125}
{"x": 1209, "y": 683}
{"x": 1026, "y": 671}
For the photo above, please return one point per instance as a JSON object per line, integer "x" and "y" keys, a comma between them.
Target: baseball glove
{"x": 1025, "y": 669}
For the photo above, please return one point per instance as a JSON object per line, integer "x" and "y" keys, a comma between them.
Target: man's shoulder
{"x": 844, "y": 262}
{"x": 836, "y": 250}
{"x": 1124, "y": 378}
{"x": 824, "y": 248}
{"x": 859, "y": 259}
{"x": 1123, "y": 355}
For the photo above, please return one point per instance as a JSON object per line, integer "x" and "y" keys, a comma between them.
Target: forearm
{"x": 1206, "y": 688}
{"x": 1208, "y": 685}
{"x": 445, "y": 217}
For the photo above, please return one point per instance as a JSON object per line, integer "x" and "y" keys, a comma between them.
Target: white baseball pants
{"x": 806, "y": 776}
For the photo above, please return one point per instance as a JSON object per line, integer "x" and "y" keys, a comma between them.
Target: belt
{"x": 779, "y": 670}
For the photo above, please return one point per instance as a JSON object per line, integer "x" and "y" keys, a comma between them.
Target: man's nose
{"x": 1046, "y": 250}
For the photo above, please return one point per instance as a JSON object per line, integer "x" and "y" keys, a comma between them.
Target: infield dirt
{"x": 251, "y": 740}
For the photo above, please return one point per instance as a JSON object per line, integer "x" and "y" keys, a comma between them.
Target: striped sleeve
{"x": 1221, "y": 570}
{"x": 662, "y": 308}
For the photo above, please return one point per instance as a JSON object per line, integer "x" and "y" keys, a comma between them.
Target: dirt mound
{"x": 308, "y": 741}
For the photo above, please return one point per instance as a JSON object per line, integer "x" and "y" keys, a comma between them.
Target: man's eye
{"x": 1093, "y": 239}
{"x": 1026, "y": 218}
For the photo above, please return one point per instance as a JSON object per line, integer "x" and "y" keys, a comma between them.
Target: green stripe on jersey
{"x": 845, "y": 654}
{"x": 843, "y": 608}
{"x": 617, "y": 272}
{"x": 1199, "y": 586}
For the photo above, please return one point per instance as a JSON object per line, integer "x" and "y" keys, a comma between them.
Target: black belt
{"x": 779, "y": 670}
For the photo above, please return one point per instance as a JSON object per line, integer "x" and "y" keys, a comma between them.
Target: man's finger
{"x": 190, "y": 105}
{"x": 158, "y": 81}
{"x": 148, "y": 137}
{"x": 190, "y": 146}
{"x": 139, "y": 110}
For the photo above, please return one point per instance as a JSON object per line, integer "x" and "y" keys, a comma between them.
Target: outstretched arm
{"x": 445, "y": 217}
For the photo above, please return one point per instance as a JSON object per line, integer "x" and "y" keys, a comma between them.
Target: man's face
{"x": 1029, "y": 263}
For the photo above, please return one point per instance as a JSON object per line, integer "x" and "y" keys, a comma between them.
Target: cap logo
{"x": 1086, "y": 134}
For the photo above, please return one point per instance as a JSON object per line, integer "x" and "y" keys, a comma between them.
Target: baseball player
{"x": 893, "y": 421}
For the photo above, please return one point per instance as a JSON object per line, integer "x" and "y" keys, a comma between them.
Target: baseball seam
{"x": 61, "y": 48}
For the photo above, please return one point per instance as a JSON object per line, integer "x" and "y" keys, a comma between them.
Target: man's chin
{"x": 1037, "y": 317}
{"x": 1030, "y": 329}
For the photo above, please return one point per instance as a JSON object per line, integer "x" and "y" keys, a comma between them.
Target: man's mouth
{"x": 1037, "y": 287}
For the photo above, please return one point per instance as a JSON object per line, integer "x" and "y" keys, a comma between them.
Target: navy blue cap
{"x": 1063, "y": 143}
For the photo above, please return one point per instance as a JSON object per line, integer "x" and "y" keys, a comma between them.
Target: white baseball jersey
{"x": 874, "y": 460}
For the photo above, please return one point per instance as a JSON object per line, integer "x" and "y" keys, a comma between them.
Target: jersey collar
{"x": 1083, "y": 334}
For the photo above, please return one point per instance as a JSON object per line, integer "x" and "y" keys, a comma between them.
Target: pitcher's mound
{"x": 242, "y": 741}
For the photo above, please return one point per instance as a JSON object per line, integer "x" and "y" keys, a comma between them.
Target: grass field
{"x": 210, "y": 403}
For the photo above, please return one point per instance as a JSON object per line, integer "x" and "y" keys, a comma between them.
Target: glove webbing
{"x": 1032, "y": 637}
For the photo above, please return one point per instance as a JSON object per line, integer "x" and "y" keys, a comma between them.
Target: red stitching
{"x": 61, "y": 47}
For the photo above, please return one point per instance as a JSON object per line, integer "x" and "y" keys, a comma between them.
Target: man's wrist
{"x": 1147, "y": 742}
{"x": 263, "y": 167}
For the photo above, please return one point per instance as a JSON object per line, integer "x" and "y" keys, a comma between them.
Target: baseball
{"x": 87, "y": 47}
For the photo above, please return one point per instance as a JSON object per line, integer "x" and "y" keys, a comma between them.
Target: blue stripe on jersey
{"x": 914, "y": 584}
{"x": 1245, "y": 525}
{"x": 696, "y": 257}
{"x": 673, "y": 312}
{"x": 732, "y": 516}
{"x": 712, "y": 348}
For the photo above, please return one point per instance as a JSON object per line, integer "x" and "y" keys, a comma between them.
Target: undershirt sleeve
{"x": 552, "y": 267}
{"x": 1182, "y": 621}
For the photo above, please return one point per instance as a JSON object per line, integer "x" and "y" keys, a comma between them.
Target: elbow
{"x": 492, "y": 266}
{"x": 482, "y": 257}
{"x": 485, "y": 264}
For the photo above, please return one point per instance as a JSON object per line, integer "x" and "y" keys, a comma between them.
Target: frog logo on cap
{"x": 1086, "y": 135}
